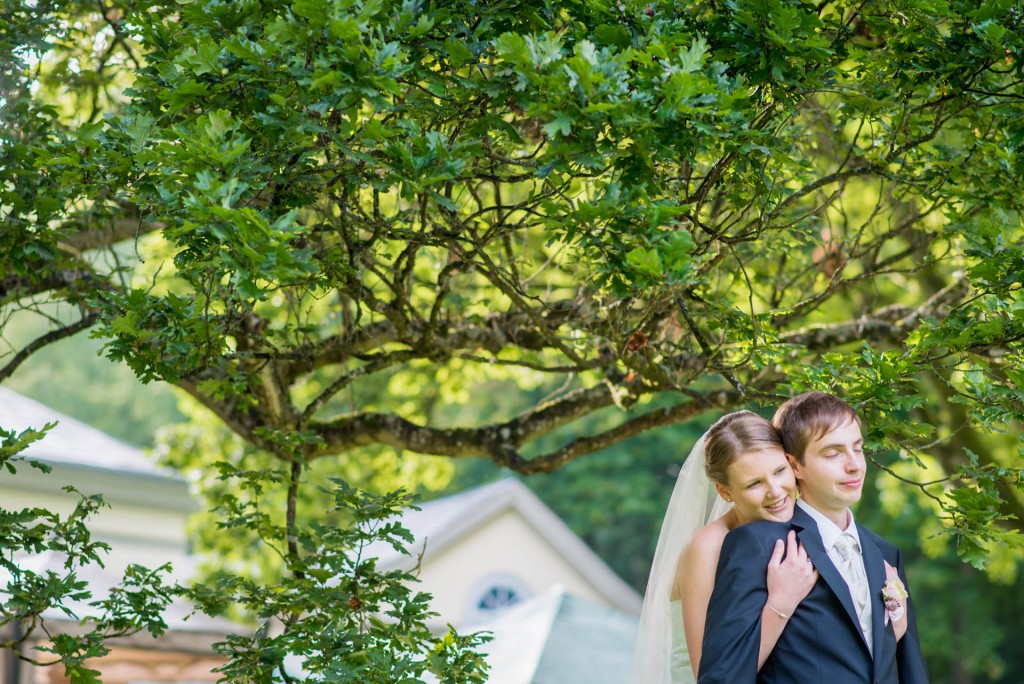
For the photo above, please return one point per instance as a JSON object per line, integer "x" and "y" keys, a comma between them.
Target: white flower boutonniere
{"x": 893, "y": 596}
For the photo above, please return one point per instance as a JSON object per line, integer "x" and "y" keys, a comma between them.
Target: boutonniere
{"x": 893, "y": 596}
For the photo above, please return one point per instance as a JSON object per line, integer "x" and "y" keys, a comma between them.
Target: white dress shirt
{"x": 830, "y": 534}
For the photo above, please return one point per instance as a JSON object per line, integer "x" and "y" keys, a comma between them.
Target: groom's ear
{"x": 794, "y": 464}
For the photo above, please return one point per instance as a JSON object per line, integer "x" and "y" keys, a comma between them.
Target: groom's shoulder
{"x": 759, "y": 530}
{"x": 885, "y": 546}
{"x": 753, "y": 540}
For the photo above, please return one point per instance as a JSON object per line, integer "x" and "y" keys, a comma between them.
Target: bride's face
{"x": 761, "y": 486}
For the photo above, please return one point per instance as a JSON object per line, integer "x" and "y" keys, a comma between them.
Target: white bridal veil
{"x": 693, "y": 505}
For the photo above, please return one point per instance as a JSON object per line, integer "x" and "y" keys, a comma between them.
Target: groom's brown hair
{"x": 808, "y": 416}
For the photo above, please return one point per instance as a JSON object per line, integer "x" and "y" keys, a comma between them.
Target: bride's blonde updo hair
{"x": 735, "y": 434}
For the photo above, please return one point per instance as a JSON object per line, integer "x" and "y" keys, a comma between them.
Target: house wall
{"x": 507, "y": 545}
{"x": 129, "y": 665}
{"x": 143, "y": 521}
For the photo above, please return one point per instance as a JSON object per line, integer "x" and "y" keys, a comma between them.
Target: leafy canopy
{"x": 342, "y": 214}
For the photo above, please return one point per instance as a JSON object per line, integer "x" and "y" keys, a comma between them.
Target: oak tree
{"x": 333, "y": 221}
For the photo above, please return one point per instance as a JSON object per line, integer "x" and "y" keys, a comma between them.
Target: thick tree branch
{"x": 43, "y": 340}
{"x": 14, "y": 286}
{"x": 888, "y": 324}
{"x": 501, "y": 442}
{"x": 582, "y": 446}
{"x": 116, "y": 230}
{"x": 826, "y": 337}
{"x": 493, "y": 333}
{"x": 362, "y": 429}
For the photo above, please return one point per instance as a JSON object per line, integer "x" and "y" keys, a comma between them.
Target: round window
{"x": 494, "y": 593}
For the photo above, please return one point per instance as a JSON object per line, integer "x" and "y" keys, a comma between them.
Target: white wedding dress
{"x": 660, "y": 656}
{"x": 680, "y": 669}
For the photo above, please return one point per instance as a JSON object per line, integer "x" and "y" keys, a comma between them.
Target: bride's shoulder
{"x": 697, "y": 563}
{"x": 708, "y": 538}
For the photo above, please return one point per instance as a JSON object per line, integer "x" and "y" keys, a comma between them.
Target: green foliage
{"x": 32, "y": 593}
{"x": 334, "y": 611}
{"x": 976, "y": 507}
{"x": 354, "y": 218}
{"x": 72, "y": 378}
{"x": 965, "y": 613}
{"x": 331, "y": 609}
{"x": 229, "y": 472}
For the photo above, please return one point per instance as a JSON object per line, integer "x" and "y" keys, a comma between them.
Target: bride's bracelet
{"x": 776, "y": 611}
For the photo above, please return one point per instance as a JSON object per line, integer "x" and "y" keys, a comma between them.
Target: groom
{"x": 839, "y": 633}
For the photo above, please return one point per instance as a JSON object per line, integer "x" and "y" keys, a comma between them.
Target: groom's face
{"x": 831, "y": 476}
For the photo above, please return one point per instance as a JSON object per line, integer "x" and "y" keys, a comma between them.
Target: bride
{"x": 743, "y": 458}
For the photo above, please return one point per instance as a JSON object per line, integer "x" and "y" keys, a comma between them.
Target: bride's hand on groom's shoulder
{"x": 791, "y": 575}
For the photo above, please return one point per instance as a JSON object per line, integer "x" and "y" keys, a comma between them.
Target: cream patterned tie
{"x": 852, "y": 570}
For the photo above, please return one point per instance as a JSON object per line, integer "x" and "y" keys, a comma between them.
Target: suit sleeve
{"x": 732, "y": 633}
{"x": 909, "y": 659}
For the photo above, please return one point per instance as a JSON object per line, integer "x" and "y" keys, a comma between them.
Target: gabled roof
{"x": 442, "y": 522}
{"x": 72, "y": 442}
{"x": 90, "y": 459}
{"x": 558, "y": 637}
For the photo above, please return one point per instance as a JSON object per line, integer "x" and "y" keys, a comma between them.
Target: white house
{"x": 492, "y": 547}
{"x": 494, "y": 557}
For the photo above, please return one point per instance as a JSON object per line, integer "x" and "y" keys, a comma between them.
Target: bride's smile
{"x": 761, "y": 486}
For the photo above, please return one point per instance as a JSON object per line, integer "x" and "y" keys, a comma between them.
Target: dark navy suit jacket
{"x": 822, "y": 642}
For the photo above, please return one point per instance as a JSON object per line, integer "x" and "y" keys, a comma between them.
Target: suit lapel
{"x": 807, "y": 533}
{"x": 874, "y": 566}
